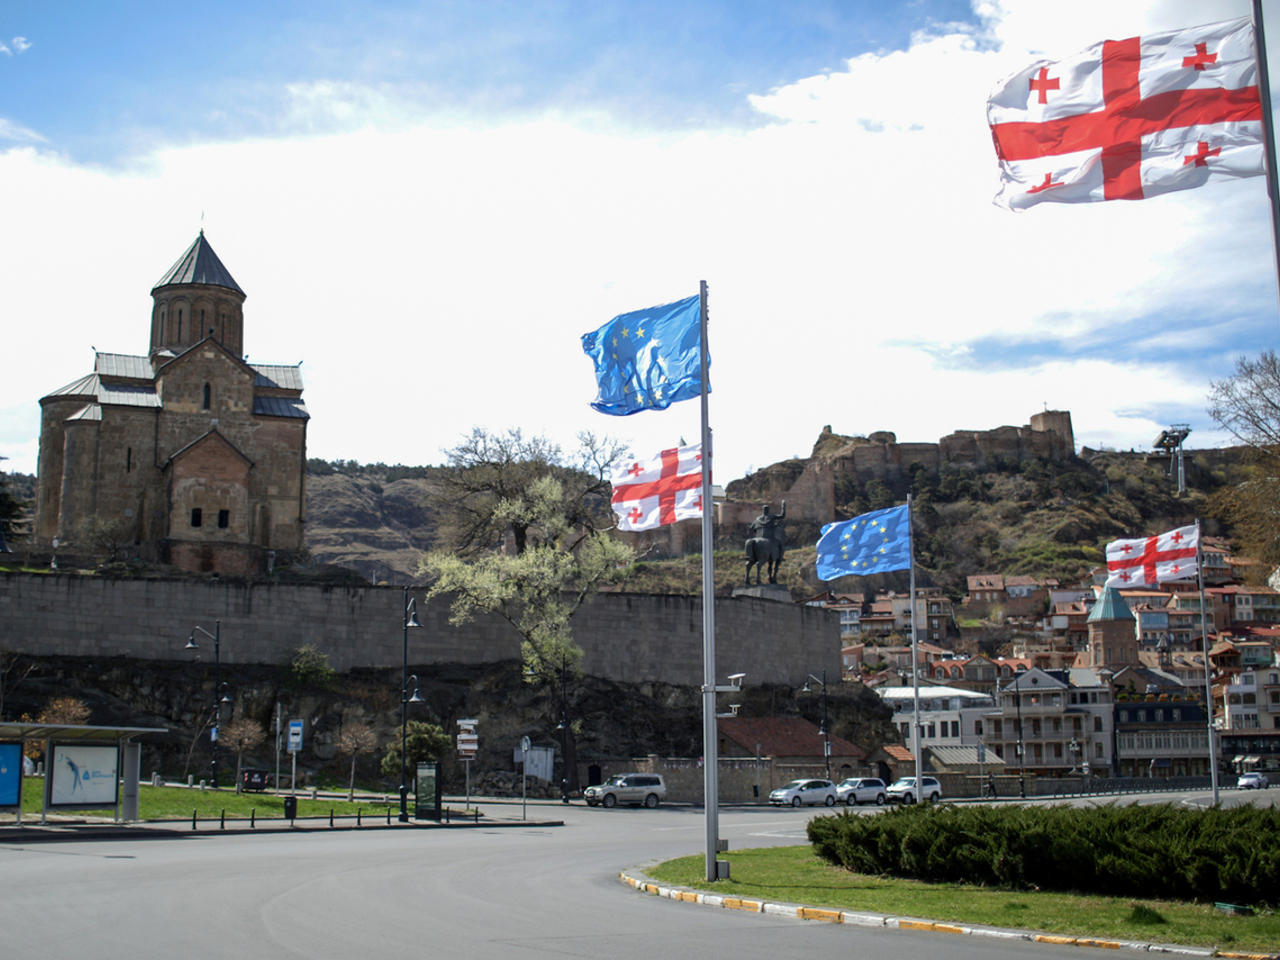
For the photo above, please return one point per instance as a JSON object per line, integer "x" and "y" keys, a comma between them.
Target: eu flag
{"x": 647, "y": 359}
{"x": 874, "y": 542}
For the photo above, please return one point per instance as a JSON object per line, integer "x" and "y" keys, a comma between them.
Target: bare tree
{"x": 69, "y": 710}
{"x": 240, "y": 735}
{"x": 1247, "y": 405}
{"x": 354, "y": 739}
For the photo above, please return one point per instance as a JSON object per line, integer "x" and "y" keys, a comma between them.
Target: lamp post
{"x": 1022, "y": 750}
{"x": 218, "y": 697}
{"x": 564, "y": 730}
{"x": 825, "y": 729}
{"x": 409, "y": 619}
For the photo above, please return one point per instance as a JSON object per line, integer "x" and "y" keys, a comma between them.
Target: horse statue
{"x": 764, "y": 548}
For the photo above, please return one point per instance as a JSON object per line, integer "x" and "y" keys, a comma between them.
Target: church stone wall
{"x": 628, "y": 637}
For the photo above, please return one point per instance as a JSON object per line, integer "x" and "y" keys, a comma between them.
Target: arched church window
{"x": 208, "y": 396}
{"x": 128, "y": 459}
{"x": 197, "y": 516}
{"x": 179, "y": 325}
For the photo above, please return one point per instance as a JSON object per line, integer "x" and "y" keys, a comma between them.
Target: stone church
{"x": 189, "y": 455}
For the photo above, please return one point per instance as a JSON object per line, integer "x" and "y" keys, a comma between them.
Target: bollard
{"x": 222, "y": 820}
{"x": 191, "y": 779}
{"x": 388, "y": 816}
{"x": 193, "y": 819}
{"x": 477, "y": 814}
{"x": 253, "y": 813}
{"x": 357, "y": 816}
{"x": 331, "y": 818}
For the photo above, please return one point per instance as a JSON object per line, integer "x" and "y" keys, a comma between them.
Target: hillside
{"x": 1038, "y": 517}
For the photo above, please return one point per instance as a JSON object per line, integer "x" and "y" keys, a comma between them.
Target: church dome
{"x": 198, "y": 265}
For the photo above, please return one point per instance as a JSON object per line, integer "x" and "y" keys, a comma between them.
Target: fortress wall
{"x": 631, "y": 637}
{"x": 928, "y": 455}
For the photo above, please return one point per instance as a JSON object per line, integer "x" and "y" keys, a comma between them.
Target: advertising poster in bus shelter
{"x": 83, "y": 776}
{"x": 10, "y": 776}
{"x": 427, "y": 800}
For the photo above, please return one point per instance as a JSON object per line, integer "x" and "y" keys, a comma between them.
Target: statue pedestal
{"x": 765, "y": 591}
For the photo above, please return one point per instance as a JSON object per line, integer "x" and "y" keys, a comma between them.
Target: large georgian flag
{"x": 1129, "y": 119}
{"x": 659, "y": 491}
{"x": 1169, "y": 556}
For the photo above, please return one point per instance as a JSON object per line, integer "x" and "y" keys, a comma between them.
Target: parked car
{"x": 1251, "y": 781}
{"x": 809, "y": 792}
{"x": 858, "y": 790}
{"x": 637, "y": 788}
{"x": 903, "y": 790}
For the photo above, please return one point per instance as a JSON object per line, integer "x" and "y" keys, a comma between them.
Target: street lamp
{"x": 219, "y": 698}
{"x": 1022, "y": 751}
{"x": 825, "y": 729}
{"x": 409, "y": 619}
{"x": 564, "y": 730}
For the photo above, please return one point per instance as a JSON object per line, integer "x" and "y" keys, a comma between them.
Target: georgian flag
{"x": 1130, "y": 119}
{"x": 661, "y": 490}
{"x": 1169, "y": 556}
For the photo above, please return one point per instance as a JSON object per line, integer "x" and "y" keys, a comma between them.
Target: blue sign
{"x": 10, "y": 774}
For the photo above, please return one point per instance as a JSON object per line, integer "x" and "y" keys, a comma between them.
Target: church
{"x": 188, "y": 455}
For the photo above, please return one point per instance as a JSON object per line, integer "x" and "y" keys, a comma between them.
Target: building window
{"x": 128, "y": 459}
{"x": 197, "y": 516}
{"x": 224, "y": 519}
{"x": 179, "y": 326}
{"x": 208, "y": 396}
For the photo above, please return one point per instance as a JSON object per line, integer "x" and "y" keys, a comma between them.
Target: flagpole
{"x": 710, "y": 758}
{"x": 915, "y": 661}
{"x": 1268, "y": 131}
{"x": 1208, "y": 682}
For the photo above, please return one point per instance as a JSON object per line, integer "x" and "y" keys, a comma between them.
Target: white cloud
{"x": 436, "y": 275}
{"x": 21, "y": 44}
{"x": 16, "y": 133}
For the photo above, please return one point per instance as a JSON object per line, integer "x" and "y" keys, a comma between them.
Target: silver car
{"x": 805, "y": 791}
{"x": 638, "y": 788}
{"x": 858, "y": 790}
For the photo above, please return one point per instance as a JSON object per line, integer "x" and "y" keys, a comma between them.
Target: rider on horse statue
{"x": 765, "y": 546}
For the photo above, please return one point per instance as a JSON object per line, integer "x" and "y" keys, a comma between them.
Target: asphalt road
{"x": 480, "y": 893}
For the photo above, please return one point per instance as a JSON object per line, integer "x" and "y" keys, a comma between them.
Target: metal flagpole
{"x": 710, "y": 760}
{"x": 1268, "y": 131}
{"x": 915, "y": 661}
{"x": 1208, "y": 682}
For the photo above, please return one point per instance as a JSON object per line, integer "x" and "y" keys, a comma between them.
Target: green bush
{"x": 1135, "y": 851}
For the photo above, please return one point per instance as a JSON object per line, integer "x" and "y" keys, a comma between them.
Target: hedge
{"x": 1142, "y": 851}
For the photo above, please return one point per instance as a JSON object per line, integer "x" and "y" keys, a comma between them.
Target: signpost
{"x": 468, "y": 745}
{"x": 295, "y": 745}
{"x": 524, "y": 763}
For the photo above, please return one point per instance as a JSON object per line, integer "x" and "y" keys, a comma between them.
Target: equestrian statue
{"x": 765, "y": 545}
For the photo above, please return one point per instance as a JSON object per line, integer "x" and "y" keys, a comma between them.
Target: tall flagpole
{"x": 1208, "y": 682}
{"x": 710, "y": 759}
{"x": 915, "y": 661}
{"x": 1268, "y": 133}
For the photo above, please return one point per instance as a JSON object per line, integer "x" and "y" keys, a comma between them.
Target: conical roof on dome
{"x": 1110, "y": 606}
{"x": 199, "y": 265}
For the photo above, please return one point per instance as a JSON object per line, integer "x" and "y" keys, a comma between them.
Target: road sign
{"x": 295, "y": 736}
{"x": 468, "y": 744}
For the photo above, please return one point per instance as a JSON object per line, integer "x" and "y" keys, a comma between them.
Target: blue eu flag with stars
{"x": 874, "y": 542}
{"x": 647, "y": 359}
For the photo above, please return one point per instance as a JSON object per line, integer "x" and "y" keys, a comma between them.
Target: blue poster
{"x": 10, "y": 774}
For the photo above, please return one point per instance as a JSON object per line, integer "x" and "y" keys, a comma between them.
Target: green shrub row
{"x": 1140, "y": 851}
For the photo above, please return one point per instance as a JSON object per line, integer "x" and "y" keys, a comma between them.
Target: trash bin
{"x": 290, "y": 808}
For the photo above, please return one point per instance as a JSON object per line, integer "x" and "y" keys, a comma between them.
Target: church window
{"x": 197, "y": 516}
{"x": 208, "y": 396}
{"x": 128, "y": 459}
{"x": 179, "y": 325}
{"x": 224, "y": 519}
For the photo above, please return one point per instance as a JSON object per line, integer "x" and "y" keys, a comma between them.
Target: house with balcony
{"x": 1251, "y": 699}
{"x": 1161, "y": 734}
{"x": 949, "y": 715}
{"x": 1053, "y": 723}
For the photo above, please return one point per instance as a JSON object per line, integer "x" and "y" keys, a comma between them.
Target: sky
{"x": 429, "y": 203}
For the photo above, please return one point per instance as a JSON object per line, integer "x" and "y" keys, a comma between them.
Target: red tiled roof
{"x": 901, "y": 754}
{"x": 783, "y": 737}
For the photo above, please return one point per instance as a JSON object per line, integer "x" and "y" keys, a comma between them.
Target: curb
{"x": 156, "y": 829}
{"x": 852, "y": 918}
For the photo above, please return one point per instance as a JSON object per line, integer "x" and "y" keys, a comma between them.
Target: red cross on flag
{"x": 656, "y": 492}
{"x": 1129, "y": 119}
{"x": 1170, "y": 556}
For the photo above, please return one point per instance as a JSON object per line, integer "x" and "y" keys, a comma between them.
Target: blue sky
{"x": 428, "y": 203}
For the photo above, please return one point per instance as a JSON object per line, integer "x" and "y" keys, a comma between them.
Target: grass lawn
{"x": 797, "y": 875}
{"x": 176, "y": 803}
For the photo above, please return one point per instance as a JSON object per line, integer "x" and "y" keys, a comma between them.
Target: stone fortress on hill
{"x": 811, "y": 486}
{"x": 188, "y": 455}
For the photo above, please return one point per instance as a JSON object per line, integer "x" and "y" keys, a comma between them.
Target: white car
{"x": 903, "y": 790}
{"x": 810, "y": 792}
{"x": 1251, "y": 781}
{"x": 857, "y": 790}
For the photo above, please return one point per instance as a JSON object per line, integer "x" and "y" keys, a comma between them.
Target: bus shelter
{"x": 85, "y": 767}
